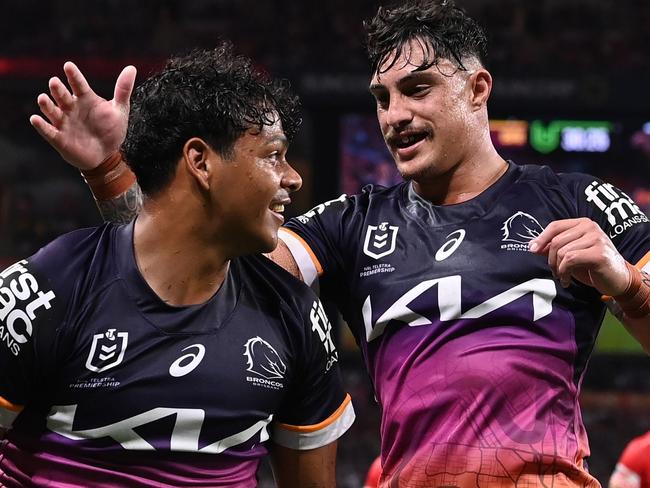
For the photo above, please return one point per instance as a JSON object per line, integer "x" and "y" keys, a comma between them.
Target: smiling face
{"x": 427, "y": 117}
{"x": 251, "y": 188}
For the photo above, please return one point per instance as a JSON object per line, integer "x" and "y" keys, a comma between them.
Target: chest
{"x": 415, "y": 272}
{"x": 121, "y": 373}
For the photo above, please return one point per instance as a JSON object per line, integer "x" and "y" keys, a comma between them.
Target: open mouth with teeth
{"x": 408, "y": 140}
{"x": 277, "y": 208}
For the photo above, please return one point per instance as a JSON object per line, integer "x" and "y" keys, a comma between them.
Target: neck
{"x": 465, "y": 180}
{"x": 179, "y": 260}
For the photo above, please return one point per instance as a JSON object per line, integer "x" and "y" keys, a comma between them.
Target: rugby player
{"x": 476, "y": 288}
{"x": 633, "y": 467}
{"x": 167, "y": 352}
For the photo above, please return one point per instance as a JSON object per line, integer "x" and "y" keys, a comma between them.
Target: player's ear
{"x": 197, "y": 156}
{"x": 480, "y": 82}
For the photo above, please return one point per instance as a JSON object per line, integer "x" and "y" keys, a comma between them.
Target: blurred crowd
{"x": 288, "y": 36}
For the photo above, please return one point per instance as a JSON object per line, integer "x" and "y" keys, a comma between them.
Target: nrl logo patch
{"x": 380, "y": 240}
{"x": 107, "y": 350}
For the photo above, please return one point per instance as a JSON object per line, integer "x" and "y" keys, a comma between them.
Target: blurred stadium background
{"x": 571, "y": 90}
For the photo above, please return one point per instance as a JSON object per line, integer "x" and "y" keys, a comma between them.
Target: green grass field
{"x": 613, "y": 338}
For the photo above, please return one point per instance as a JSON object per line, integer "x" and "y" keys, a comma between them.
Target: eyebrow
{"x": 282, "y": 139}
{"x": 413, "y": 76}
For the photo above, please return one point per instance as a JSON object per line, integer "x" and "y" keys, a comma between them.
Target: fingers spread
{"x": 51, "y": 111}
{"x": 60, "y": 94}
{"x": 76, "y": 79}
{"x": 124, "y": 86}
{"x": 47, "y": 131}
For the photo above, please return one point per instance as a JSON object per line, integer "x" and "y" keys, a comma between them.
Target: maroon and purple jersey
{"x": 121, "y": 389}
{"x": 476, "y": 352}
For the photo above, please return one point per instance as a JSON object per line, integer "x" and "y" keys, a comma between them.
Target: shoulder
{"x": 271, "y": 282}
{"x": 73, "y": 251}
{"x": 71, "y": 263}
{"x": 350, "y": 205}
{"x": 546, "y": 176}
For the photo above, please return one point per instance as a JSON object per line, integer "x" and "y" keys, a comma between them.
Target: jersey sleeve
{"x": 618, "y": 215}
{"x": 28, "y": 323}
{"x": 318, "y": 410}
{"x": 314, "y": 238}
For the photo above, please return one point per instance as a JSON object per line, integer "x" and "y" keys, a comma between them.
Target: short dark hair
{"x": 444, "y": 30}
{"x": 212, "y": 94}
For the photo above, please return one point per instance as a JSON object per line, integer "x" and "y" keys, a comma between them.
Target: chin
{"x": 268, "y": 243}
{"x": 412, "y": 170}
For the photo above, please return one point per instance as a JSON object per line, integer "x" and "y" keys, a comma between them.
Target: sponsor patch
{"x": 321, "y": 325}
{"x": 319, "y": 209}
{"x": 21, "y": 301}
{"x": 621, "y": 211}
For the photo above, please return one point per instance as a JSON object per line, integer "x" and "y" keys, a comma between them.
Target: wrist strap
{"x": 635, "y": 300}
{"x": 110, "y": 179}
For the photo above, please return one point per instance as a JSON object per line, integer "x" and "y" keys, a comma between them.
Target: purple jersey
{"x": 121, "y": 389}
{"x": 475, "y": 351}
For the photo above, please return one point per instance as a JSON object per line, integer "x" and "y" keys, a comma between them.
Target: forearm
{"x": 314, "y": 468}
{"x": 632, "y": 307}
{"x": 122, "y": 208}
{"x": 116, "y": 191}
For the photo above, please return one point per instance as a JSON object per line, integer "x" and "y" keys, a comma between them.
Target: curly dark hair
{"x": 443, "y": 29}
{"x": 212, "y": 94}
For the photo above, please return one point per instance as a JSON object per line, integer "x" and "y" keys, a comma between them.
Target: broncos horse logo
{"x": 263, "y": 360}
{"x": 521, "y": 228}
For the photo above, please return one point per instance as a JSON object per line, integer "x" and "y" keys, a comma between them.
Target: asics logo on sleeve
{"x": 187, "y": 362}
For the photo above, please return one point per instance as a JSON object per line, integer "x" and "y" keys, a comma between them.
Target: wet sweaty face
{"x": 424, "y": 115}
{"x": 253, "y": 188}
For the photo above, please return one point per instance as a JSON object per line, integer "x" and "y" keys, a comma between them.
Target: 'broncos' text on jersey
{"x": 125, "y": 390}
{"x": 475, "y": 350}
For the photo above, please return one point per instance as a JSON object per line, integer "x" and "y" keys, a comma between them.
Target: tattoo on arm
{"x": 122, "y": 208}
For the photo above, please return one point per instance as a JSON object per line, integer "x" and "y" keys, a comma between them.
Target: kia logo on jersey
{"x": 107, "y": 350}
{"x": 380, "y": 240}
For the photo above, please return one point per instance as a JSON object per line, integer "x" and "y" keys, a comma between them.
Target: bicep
{"x": 311, "y": 468}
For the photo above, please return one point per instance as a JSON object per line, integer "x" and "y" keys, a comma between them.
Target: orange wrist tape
{"x": 635, "y": 300}
{"x": 110, "y": 179}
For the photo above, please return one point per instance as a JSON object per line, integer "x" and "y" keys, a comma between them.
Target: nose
{"x": 291, "y": 180}
{"x": 398, "y": 114}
